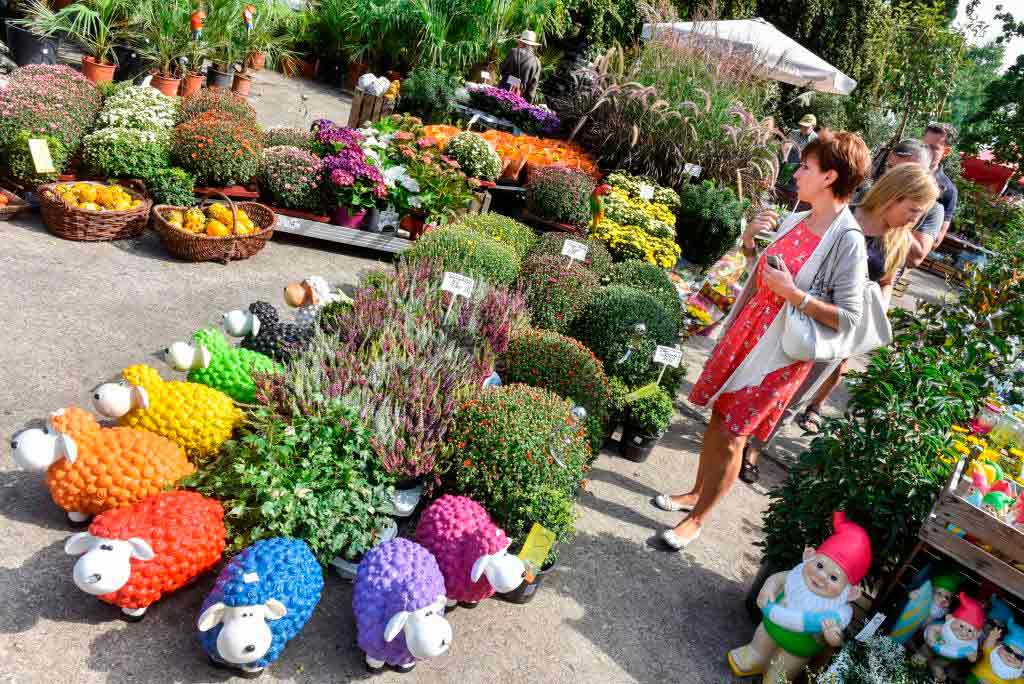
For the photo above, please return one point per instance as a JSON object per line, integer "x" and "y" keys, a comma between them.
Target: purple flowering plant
{"x": 350, "y": 177}
{"x": 532, "y": 119}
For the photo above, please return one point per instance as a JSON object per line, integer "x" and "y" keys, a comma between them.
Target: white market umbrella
{"x": 780, "y": 57}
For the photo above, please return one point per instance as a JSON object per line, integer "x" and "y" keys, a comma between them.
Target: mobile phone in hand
{"x": 774, "y": 261}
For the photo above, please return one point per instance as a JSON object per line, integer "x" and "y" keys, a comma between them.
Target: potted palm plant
{"x": 300, "y": 33}
{"x": 165, "y": 38}
{"x": 223, "y": 23}
{"x": 96, "y": 25}
{"x": 263, "y": 39}
{"x": 649, "y": 412}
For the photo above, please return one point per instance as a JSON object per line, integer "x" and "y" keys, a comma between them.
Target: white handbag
{"x": 804, "y": 339}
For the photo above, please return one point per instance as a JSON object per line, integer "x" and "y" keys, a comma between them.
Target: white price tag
{"x": 514, "y": 82}
{"x": 692, "y": 169}
{"x": 485, "y": 76}
{"x": 458, "y": 284}
{"x": 575, "y": 250}
{"x": 669, "y": 356}
{"x": 871, "y": 627}
{"x": 647, "y": 192}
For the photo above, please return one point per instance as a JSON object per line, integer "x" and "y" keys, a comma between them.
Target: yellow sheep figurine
{"x": 197, "y": 417}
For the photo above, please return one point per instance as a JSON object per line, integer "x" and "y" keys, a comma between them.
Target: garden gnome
{"x": 247, "y": 16}
{"x": 927, "y": 604}
{"x": 197, "y": 23}
{"x": 978, "y": 487}
{"x": 945, "y": 587}
{"x": 806, "y": 607}
{"x": 1001, "y": 662}
{"x": 955, "y": 638}
{"x": 597, "y": 204}
{"x": 998, "y": 617}
{"x": 996, "y": 503}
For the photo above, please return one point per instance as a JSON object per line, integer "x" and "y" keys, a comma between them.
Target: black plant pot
{"x": 29, "y": 48}
{"x": 219, "y": 79}
{"x": 528, "y": 590}
{"x": 635, "y": 446}
{"x": 129, "y": 64}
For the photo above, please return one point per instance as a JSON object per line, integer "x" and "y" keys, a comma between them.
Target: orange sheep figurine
{"x": 91, "y": 469}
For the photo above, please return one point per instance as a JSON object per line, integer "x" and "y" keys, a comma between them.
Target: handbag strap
{"x": 819, "y": 282}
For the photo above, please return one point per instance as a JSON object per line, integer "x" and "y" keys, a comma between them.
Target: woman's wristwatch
{"x": 803, "y": 302}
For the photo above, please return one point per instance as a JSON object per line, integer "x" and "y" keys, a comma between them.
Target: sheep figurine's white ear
{"x": 274, "y": 609}
{"x": 211, "y": 617}
{"x": 141, "y": 549}
{"x": 140, "y": 397}
{"x": 395, "y": 625}
{"x": 479, "y": 567}
{"x": 203, "y": 356}
{"x": 255, "y": 325}
{"x": 79, "y": 543}
{"x": 67, "y": 448}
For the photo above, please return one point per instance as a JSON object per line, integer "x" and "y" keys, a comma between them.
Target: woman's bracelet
{"x": 804, "y": 301}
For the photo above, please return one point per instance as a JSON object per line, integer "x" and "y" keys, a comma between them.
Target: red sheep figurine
{"x": 134, "y": 555}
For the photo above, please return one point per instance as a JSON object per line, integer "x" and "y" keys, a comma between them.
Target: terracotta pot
{"x": 414, "y": 224}
{"x": 97, "y": 73}
{"x": 307, "y": 68}
{"x": 343, "y": 216}
{"x": 192, "y": 84}
{"x": 256, "y": 60}
{"x": 61, "y": 4}
{"x": 166, "y": 85}
{"x": 242, "y": 85}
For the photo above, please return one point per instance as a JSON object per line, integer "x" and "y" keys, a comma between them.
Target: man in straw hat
{"x": 520, "y": 72}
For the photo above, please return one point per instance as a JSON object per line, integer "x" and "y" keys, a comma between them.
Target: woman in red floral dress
{"x": 831, "y": 169}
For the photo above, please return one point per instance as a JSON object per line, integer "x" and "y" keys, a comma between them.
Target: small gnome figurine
{"x": 597, "y": 204}
{"x": 978, "y": 487}
{"x": 1001, "y": 662}
{"x": 197, "y": 23}
{"x": 996, "y": 503}
{"x": 248, "y": 16}
{"x": 806, "y": 607}
{"x": 938, "y": 592}
{"x": 955, "y": 638}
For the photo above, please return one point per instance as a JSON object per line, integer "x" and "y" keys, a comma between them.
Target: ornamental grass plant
{"x": 218, "y": 148}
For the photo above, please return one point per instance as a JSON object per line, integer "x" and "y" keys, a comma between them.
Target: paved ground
{"x": 616, "y": 610}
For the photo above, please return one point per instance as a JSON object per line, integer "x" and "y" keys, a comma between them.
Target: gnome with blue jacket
{"x": 807, "y": 607}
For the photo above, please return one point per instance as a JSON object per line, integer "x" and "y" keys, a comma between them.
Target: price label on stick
{"x": 513, "y": 82}
{"x": 536, "y": 549}
{"x": 668, "y": 356}
{"x": 871, "y": 627}
{"x": 647, "y": 192}
{"x": 485, "y": 76}
{"x": 692, "y": 169}
{"x": 458, "y": 284}
{"x": 39, "y": 148}
{"x": 575, "y": 250}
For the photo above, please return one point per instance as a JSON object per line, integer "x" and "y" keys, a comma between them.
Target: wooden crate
{"x": 951, "y": 509}
{"x": 368, "y": 109}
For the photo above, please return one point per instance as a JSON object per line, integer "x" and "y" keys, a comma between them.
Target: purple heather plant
{"x": 530, "y": 118}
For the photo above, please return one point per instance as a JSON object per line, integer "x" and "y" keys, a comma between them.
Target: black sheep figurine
{"x": 262, "y": 331}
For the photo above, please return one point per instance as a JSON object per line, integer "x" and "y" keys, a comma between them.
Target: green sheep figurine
{"x": 211, "y": 361}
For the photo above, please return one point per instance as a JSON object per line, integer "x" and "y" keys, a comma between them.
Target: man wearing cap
{"x": 1001, "y": 663}
{"x": 802, "y": 137}
{"x": 940, "y": 138}
{"x": 522, "y": 64}
{"x": 806, "y": 607}
{"x": 927, "y": 231}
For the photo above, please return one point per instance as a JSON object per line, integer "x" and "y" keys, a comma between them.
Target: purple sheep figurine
{"x": 470, "y": 549}
{"x": 262, "y": 599}
{"x": 399, "y": 602}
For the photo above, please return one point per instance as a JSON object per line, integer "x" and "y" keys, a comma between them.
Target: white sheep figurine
{"x": 309, "y": 297}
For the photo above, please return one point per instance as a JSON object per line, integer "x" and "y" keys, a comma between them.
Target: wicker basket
{"x": 72, "y": 223}
{"x": 15, "y": 205}
{"x": 198, "y": 247}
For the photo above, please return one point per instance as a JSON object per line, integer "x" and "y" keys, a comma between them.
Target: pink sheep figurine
{"x": 470, "y": 549}
{"x": 131, "y": 556}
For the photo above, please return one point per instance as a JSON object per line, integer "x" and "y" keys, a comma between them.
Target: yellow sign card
{"x": 536, "y": 549}
{"x": 39, "y": 148}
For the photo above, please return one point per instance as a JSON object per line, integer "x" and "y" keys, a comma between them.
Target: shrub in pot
{"x": 509, "y": 232}
{"x": 623, "y": 325}
{"x": 172, "y": 186}
{"x": 429, "y": 93}
{"x": 648, "y": 413}
{"x": 291, "y": 177}
{"x": 598, "y": 258}
{"x": 126, "y": 152}
{"x": 475, "y": 156}
{"x": 218, "y": 148}
{"x": 708, "y": 222}
{"x": 21, "y": 166}
{"x": 51, "y": 100}
{"x": 560, "y": 195}
{"x": 467, "y": 252}
{"x": 217, "y": 100}
{"x": 556, "y": 290}
{"x": 563, "y": 365}
{"x": 650, "y": 279}
{"x": 164, "y": 36}
{"x": 132, "y": 106}
{"x": 515, "y": 450}
{"x": 313, "y": 477}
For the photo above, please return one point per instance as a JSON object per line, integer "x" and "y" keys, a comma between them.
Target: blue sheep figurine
{"x": 261, "y": 600}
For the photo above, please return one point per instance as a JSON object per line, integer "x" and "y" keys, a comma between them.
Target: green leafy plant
{"x": 219, "y": 148}
{"x": 475, "y": 156}
{"x": 313, "y": 478}
{"x": 879, "y": 660}
{"x": 97, "y": 25}
{"x": 708, "y": 223}
{"x": 598, "y": 259}
{"x": 623, "y": 325}
{"x": 649, "y": 411}
{"x": 516, "y": 236}
{"x": 556, "y": 291}
{"x": 468, "y": 252}
{"x": 20, "y": 162}
{"x": 126, "y": 152}
{"x": 517, "y": 451}
{"x": 164, "y": 35}
{"x": 217, "y": 100}
{"x": 648, "y": 278}
{"x": 429, "y": 94}
{"x": 561, "y": 195}
{"x": 563, "y": 365}
{"x": 173, "y": 186}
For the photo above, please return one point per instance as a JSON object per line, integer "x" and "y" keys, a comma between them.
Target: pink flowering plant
{"x": 48, "y": 100}
{"x": 292, "y": 177}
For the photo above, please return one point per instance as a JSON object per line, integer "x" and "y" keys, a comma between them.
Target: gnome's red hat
{"x": 970, "y": 611}
{"x": 849, "y": 546}
{"x": 1001, "y": 486}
